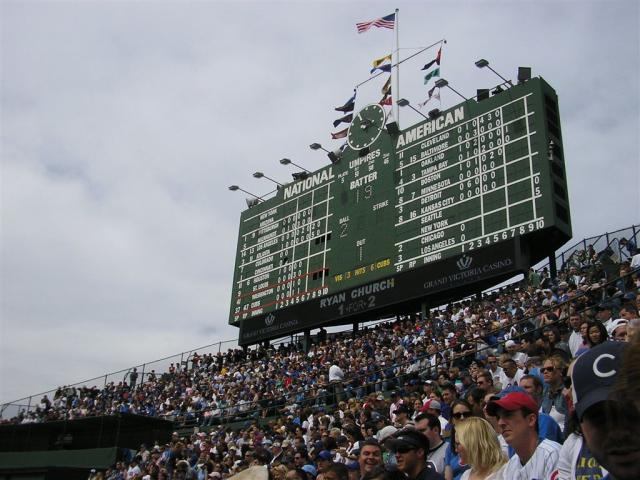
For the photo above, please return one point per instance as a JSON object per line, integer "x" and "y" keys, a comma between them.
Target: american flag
{"x": 384, "y": 22}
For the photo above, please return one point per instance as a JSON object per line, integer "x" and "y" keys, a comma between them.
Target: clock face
{"x": 366, "y": 126}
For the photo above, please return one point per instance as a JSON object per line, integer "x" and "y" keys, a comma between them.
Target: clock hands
{"x": 366, "y": 123}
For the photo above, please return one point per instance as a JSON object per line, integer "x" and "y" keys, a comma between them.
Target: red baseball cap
{"x": 512, "y": 401}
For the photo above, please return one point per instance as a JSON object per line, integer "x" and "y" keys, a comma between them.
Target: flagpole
{"x": 396, "y": 95}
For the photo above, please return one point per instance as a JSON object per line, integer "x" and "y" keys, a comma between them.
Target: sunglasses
{"x": 459, "y": 415}
{"x": 404, "y": 449}
{"x": 547, "y": 369}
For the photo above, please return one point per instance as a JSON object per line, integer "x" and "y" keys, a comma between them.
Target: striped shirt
{"x": 540, "y": 466}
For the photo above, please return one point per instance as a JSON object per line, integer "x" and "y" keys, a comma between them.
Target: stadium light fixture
{"x": 286, "y": 161}
{"x": 403, "y": 102}
{"x": 482, "y": 63}
{"x": 333, "y": 156}
{"x": 441, "y": 83}
{"x": 435, "y": 113}
{"x": 234, "y": 188}
{"x": 317, "y": 146}
{"x": 524, "y": 74}
{"x": 262, "y": 175}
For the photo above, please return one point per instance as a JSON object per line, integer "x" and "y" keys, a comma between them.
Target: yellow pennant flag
{"x": 380, "y": 61}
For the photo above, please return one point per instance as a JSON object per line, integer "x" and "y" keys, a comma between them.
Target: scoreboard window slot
{"x": 517, "y": 148}
{"x": 494, "y": 200}
{"x": 518, "y": 170}
{"x": 521, "y": 213}
{"x": 519, "y": 191}
{"x": 495, "y": 221}
{"x": 513, "y": 111}
{"x": 320, "y": 195}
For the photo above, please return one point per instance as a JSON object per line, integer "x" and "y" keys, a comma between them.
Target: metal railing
{"x": 599, "y": 243}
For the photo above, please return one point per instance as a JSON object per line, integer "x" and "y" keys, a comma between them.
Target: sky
{"x": 123, "y": 123}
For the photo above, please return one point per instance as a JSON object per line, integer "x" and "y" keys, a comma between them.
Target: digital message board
{"x": 476, "y": 194}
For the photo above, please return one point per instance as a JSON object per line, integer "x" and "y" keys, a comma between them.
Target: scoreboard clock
{"x": 441, "y": 209}
{"x": 366, "y": 127}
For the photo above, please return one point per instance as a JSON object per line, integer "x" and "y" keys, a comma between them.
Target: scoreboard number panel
{"x": 482, "y": 177}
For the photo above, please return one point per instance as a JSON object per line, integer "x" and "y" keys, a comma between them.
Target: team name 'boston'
{"x": 310, "y": 182}
{"x": 428, "y": 128}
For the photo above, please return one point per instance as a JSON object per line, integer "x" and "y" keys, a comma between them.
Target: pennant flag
{"x": 381, "y": 60}
{"x": 348, "y": 106}
{"x": 386, "y": 100}
{"x": 384, "y": 22}
{"x": 340, "y": 134}
{"x": 431, "y": 74}
{"x": 345, "y": 119}
{"x": 435, "y": 95}
{"x": 382, "y": 68}
{"x": 386, "y": 88}
{"x": 435, "y": 60}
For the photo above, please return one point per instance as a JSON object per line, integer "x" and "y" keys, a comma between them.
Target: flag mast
{"x": 396, "y": 95}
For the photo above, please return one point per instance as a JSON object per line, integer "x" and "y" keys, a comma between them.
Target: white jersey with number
{"x": 540, "y": 466}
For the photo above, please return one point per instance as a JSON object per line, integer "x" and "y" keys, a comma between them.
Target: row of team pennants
{"x": 383, "y": 64}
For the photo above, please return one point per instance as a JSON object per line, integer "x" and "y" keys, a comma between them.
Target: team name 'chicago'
{"x": 427, "y": 128}
{"x": 310, "y": 182}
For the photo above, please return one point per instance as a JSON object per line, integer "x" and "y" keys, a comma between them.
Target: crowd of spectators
{"x": 305, "y": 411}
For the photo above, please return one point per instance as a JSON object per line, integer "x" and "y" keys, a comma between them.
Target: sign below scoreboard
{"x": 482, "y": 177}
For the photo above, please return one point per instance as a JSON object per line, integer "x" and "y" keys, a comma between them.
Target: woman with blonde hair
{"x": 478, "y": 446}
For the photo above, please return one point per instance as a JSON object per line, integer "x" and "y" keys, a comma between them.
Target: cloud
{"x": 124, "y": 123}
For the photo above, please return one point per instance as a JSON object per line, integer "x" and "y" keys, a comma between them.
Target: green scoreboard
{"x": 441, "y": 209}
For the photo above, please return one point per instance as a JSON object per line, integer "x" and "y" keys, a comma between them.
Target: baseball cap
{"x": 385, "y": 433}
{"x": 408, "y": 438}
{"x": 324, "y": 455}
{"x": 310, "y": 469}
{"x": 615, "y": 324}
{"x": 431, "y": 404}
{"x": 512, "y": 401}
{"x": 594, "y": 374}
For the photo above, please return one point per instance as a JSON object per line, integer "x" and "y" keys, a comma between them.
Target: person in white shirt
{"x": 512, "y": 350}
{"x": 575, "y": 340}
{"x": 511, "y": 374}
{"x": 429, "y": 426}
{"x": 336, "y": 377}
{"x": 494, "y": 368}
{"x": 517, "y": 414}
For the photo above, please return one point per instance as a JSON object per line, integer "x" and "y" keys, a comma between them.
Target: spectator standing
{"x": 575, "y": 339}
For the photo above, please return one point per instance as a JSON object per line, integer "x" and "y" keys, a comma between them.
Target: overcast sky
{"x": 123, "y": 124}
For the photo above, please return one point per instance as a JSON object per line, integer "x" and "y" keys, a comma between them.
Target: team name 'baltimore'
{"x": 428, "y": 128}
{"x": 310, "y": 182}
